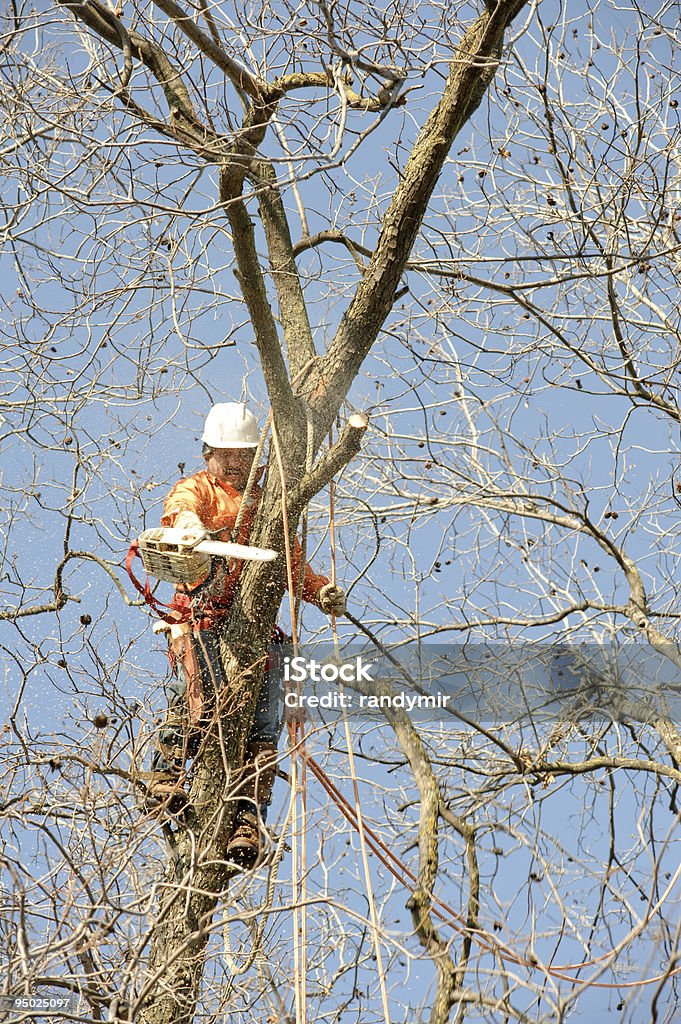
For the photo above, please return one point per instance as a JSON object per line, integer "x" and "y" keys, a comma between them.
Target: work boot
{"x": 249, "y": 839}
{"x": 172, "y": 739}
{"x": 246, "y": 843}
{"x": 165, "y": 793}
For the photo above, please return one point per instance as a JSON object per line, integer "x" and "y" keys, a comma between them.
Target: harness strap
{"x": 145, "y": 591}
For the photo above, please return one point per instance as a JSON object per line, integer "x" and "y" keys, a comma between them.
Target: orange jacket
{"x": 217, "y": 504}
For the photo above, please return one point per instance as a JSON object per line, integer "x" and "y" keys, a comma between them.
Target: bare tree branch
{"x": 236, "y": 72}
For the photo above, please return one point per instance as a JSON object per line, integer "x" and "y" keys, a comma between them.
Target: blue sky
{"x": 122, "y": 325}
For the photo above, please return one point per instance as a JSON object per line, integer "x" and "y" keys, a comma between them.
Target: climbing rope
{"x": 298, "y": 835}
{"x": 353, "y": 773}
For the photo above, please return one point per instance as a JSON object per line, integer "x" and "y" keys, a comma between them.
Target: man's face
{"x": 231, "y": 465}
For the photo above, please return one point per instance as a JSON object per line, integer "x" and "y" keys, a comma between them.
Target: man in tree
{"x": 209, "y": 503}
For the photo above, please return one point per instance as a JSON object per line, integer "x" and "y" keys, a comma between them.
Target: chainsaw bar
{"x": 225, "y": 549}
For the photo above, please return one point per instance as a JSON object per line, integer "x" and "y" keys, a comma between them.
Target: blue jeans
{"x": 177, "y": 740}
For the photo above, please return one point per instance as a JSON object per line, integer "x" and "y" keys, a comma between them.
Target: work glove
{"x": 331, "y": 599}
{"x": 191, "y": 525}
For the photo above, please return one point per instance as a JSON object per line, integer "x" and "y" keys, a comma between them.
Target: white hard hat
{"x": 230, "y": 425}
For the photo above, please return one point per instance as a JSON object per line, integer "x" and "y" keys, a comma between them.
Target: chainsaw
{"x": 175, "y": 556}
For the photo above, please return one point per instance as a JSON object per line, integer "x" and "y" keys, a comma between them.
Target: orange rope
{"x": 452, "y": 918}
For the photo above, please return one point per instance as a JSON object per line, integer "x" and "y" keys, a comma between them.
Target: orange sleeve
{"x": 312, "y": 581}
{"x": 185, "y": 496}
